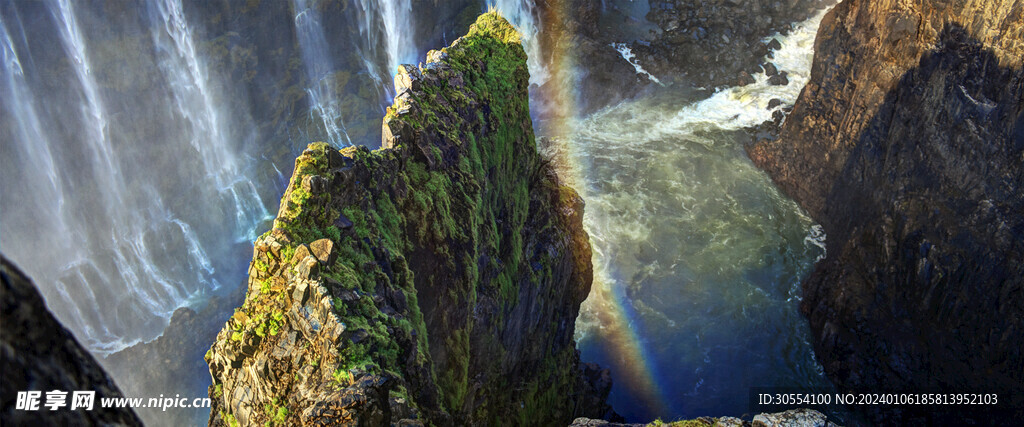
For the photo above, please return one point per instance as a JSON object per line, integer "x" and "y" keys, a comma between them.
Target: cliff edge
{"x": 908, "y": 146}
{"x": 434, "y": 281}
{"x": 37, "y": 354}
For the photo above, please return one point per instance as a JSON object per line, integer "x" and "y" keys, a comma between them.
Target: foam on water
{"x": 697, "y": 255}
{"x": 628, "y": 55}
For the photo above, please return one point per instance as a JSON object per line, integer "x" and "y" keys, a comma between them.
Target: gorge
{"x": 446, "y": 278}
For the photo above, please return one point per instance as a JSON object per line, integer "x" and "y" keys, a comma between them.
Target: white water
{"x": 628, "y": 55}
{"x": 324, "y": 102}
{"x": 100, "y": 206}
{"x": 399, "y": 32}
{"x": 387, "y": 23}
{"x": 195, "y": 100}
{"x": 697, "y": 256}
{"x": 522, "y": 14}
{"x": 106, "y": 171}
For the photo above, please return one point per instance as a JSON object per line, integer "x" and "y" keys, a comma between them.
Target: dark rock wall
{"x": 710, "y": 43}
{"x": 38, "y": 354}
{"x": 436, "y": 280}
{"x": 908, "y": 146}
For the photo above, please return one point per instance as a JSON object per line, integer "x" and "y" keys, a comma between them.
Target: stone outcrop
{"x": 790, "y": 418}
{"x": 908, "y": 146}
{"x": 436, "y": 280}
{"x": 717, "y": 43}
{"x": 38, "y": 354}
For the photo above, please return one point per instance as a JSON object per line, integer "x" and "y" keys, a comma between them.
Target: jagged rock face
{"x": 436, "y": 280}
{"x": 38, "y": 354}
{"x": 908, "y": 146}
{"x": 713, "y": 43}
{"x": 790, "y": 418}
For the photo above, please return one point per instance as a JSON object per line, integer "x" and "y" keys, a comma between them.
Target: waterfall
{"x": 190, "y": 86}
{"x": 388, "y": 23}
{"x": 117, "y": 199}
{"x": 397, "y": 18}
{"x": 94, "y": 111}
{"x": 523, "y": 15}
{"x": 319, "y": 69}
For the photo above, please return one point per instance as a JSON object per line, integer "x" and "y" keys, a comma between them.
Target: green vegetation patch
{"x": 440, "y": 220}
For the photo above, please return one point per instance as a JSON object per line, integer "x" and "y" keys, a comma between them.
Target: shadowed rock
{"x": 908, "y": 146}
{"x": 38, "y": 354}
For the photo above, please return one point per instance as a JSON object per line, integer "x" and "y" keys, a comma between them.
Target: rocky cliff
{"x": 436, "y": 280}
{"x": 38, "y": 354}
{"x": 790, "y": 418}
{"x": 908, "y": 146}
{"x": 716, "y": 43}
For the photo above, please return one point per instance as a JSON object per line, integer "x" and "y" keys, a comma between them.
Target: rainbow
{"x": 607, "y": 311}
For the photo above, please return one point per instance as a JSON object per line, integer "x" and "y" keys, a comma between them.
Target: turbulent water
{"x": 133, "y": 186}
{"x": 698, "y": 256}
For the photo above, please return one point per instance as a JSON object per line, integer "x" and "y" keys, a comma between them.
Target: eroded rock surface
{"x": 790, "y": 418}
{"x": 436, "y": 280}
{"x": 908, "y": 146}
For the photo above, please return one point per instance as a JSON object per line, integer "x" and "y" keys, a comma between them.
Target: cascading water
{"x": 523, "y": 15}
{"x": 698, "y": 257}
{"x": 118, "y": 218}
{"x": 189, "y": 83}
{"x": 388, "y": 24}
{"x": 323, "y": 95}
{"x": 125, "y": 204}
{"x": 398, "y": 30}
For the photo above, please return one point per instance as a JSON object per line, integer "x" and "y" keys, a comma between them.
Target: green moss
{"x": 340, "y": 378}
{"x": 465, "y": 219}
{"x": 277, "y": 411}
{"x": 230, "y": 419}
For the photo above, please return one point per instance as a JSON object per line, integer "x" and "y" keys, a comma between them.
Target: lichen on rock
{"x": 436, "y": 280}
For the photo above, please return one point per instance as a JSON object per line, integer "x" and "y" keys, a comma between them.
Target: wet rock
{"x": 342, "y": 222}
{"x": 717, "y": 40}
{"x": 780, "y": 79}
{"x": 314, "y": 184}
{"x": 774, "y": 102}
{"x": 312, "y": 338}
{"x": 770, "y": 70}
{"x": 301, "y": 252}
{"x": 407, "y": 79}
{"x": 359, "y": 336}
{"x": 744, "y": 79}
{"x": 308, "y": 267}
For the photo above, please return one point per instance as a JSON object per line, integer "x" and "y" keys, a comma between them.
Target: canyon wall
{"x": 716, "y": 43}
{"x": 908, "y": 146}
{"x": 38, "y": 354}
{"x": 436, "y": 280}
